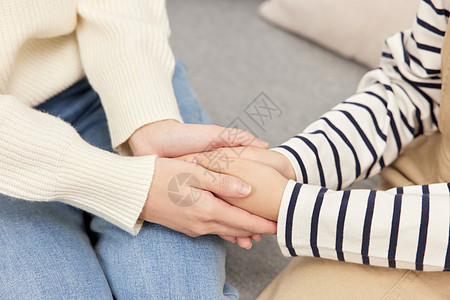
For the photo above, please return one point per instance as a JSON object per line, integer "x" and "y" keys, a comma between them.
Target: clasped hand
{"x": 234, "y": 219}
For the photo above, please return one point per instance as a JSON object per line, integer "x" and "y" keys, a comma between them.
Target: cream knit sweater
{"x": 45, "y": 47}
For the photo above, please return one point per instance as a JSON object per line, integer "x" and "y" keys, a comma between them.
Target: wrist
{"x": 285, "y": 166}
{"x": 288, "y": 168}
{"x": 273, "y": 205}
{"x": 145, "y": 140}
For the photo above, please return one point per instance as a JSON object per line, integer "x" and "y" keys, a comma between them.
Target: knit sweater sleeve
{"x": 128, "y": 61}
{"x": 42, "y": 158}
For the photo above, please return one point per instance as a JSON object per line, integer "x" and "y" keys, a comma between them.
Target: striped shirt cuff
{"x": 404, "y": 228}
{"x": 291, "y": 156}
{"x": 285, "y": 218}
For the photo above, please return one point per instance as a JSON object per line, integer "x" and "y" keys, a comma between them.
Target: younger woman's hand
{"x": 270, "y": 158}
{"x": 267, "y": 183}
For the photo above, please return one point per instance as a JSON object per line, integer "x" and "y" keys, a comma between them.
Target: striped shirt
{"x": 405, "y": 227}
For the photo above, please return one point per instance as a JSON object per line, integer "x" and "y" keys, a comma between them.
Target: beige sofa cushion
{"x": 356, "y": 29}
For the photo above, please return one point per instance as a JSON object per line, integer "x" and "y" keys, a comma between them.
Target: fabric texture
{"x": 355, "y": 29}
{"x": 427, "y": 159}
{"x": 66, "y": 253}
{"x": 46, "y": 47}
{"x": 404, "y": 227}
{"x": 314, "y": 278}
{"x": 424, "y": 161}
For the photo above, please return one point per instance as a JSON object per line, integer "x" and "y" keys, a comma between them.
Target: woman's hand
{"x": 182, "y": 197}
{"x": 270, "y": 158}
{"x": 170, "y": 138}
{"x": 267, "y": 184}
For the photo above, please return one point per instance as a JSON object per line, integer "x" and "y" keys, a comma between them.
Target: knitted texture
{"x": 45, "y": 47}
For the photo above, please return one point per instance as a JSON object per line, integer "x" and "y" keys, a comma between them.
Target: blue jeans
{"x": 55, "y": 251}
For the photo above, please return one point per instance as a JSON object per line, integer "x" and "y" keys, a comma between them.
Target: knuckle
{"x": 193, "y": 234}
{"x": 202, "y": 215}
{"x": 224, "y": 183}
{"x": 201, "y": 230}
{"x": 206, "y": 216}
{"x": 207, "y": 212}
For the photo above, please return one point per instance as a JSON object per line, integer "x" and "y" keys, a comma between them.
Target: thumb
{"x": 221, "y": 184}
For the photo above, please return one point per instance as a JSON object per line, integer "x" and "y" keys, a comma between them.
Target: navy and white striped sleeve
{"x": 405, "y": 227}
{"x": 394, "y": 104}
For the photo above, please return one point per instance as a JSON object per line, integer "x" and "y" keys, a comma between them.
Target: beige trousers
{"x": 316, "y": 278}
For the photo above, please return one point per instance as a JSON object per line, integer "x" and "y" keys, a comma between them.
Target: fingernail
{"x": 264, "y": 144}
{"x": 257, "y": 238}
{"x": 249, "y": 246}
{"x": 244, "y": 189}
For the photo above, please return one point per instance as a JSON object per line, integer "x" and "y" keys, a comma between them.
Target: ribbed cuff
{"x": 108, "y": 185}
{"x": 144, "y": 94}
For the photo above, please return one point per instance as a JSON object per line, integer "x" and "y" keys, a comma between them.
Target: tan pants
{"x": 312, "y": 278}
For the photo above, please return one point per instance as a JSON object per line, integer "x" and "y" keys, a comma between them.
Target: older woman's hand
{"x": 170, "y": 138}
